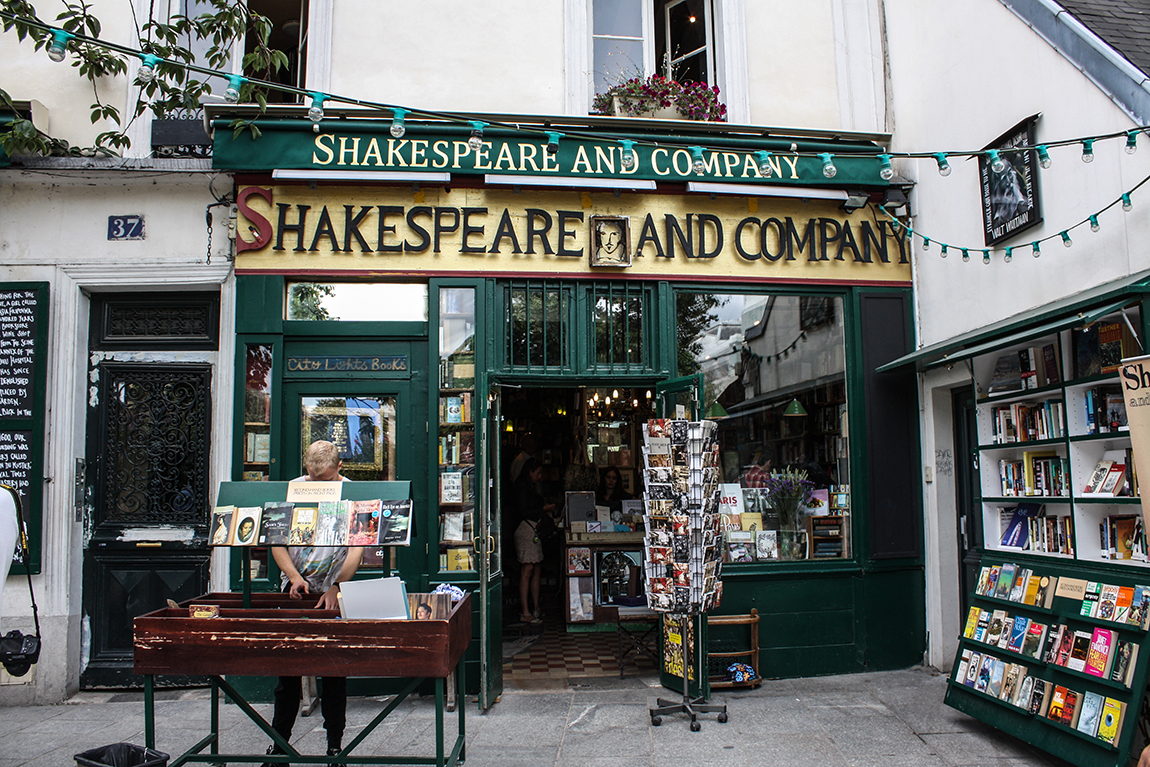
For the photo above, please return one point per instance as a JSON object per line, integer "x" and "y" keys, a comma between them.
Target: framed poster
{"x": 1010, "y": 200}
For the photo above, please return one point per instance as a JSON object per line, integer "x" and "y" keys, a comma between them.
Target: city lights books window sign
{"x": 1008, "y": 181}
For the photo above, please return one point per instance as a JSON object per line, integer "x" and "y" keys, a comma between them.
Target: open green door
{"x": 490, "y": 555}
{"x": 676, "y": 393}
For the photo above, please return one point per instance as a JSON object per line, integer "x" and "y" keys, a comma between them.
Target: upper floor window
{"x": 633, "y": 38}
{"x": 289, "y": 33}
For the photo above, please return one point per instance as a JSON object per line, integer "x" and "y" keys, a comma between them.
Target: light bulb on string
{"x": 147, "y": 71}
{"x": 985, "y": 256}
{"x": 1043, "y": 156}
{"x": 965, "y": 254}
{"x": 1066, "y": 239}
{"x": 627, "y": 156}
{"x": 997, "y": 164}
{"x": 235, "y": 83}
{"x": 648, "y": 394}
{"x": 58, "y": 48}
{"x": 1009, "y": 255}
{"x": 926, "y": 243}
{"x": 943, "y": 165}
{"x": 1094, "y": 227}
{"x": 615, "y": 393}
{"x": 315, "y": 114}
{"x": 475, "y": 141}
{"x": 397, "y": 128}
{"x": 1126, "y": 204}
{"x": 765, "y": 169}
{"x": 1088, "y": 150}
{"x": 553, "y": 142}
{"x": 943, "y": 251}
{"x": 885, "y": 171}
{"x": 829, "y": 169}
{"x": 700, "y": 166}
{"x": 1131, "y": 142}
{"x": 1035, "y": 249}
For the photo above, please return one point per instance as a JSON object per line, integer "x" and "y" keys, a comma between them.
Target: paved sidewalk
{"x": 889, "y": 719}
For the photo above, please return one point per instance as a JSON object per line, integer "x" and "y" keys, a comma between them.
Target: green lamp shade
{"x": 795, "y": 408}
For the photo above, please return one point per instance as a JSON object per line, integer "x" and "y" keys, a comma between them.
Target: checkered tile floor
{"x": 559, "y": 655}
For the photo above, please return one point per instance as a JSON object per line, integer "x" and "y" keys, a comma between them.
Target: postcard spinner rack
{"x": 683, "y": 560}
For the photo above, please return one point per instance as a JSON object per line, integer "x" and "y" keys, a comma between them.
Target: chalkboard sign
{"x": 17, "y": 352}
{"x": 23, "y": 341}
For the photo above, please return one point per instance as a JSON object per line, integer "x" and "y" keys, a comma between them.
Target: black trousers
{"x": 333, "y": 705}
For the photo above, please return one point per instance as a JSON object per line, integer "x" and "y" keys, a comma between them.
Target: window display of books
{"x": 683, "y": 545}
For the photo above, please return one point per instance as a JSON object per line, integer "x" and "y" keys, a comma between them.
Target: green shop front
{"x": 435, "y": 307}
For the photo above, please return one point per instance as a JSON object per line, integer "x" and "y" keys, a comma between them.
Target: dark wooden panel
{"x": 890, "y": 401}
{"x": 814, "y": 661}
{"x": 807, "y": 629}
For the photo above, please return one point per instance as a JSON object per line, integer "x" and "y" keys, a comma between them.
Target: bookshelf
{"x": 1039, "y": 446}
{"x": 456, "y": 429}
{"x": 256, "y": 442}
{"x": 1029, "y": 719}
{"x": 1046, "y": 419}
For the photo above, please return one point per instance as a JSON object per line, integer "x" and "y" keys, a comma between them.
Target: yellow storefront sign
{"x": 370, "y": 230}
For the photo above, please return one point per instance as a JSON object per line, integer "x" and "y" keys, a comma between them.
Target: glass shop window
{"x": 774, "y": 370}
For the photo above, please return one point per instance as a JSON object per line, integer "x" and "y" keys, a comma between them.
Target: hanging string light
{"x": 147, "y": 71}
{"x": 58, "y": 48}
{"x": 397, "y": 128}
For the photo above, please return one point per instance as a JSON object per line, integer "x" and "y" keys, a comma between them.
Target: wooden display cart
{"x": 281, "y": 636}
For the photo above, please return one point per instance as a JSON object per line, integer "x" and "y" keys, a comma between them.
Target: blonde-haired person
{"x": 315, "y": 570}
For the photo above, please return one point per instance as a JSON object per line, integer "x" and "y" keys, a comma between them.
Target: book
{"x": 1124, "y": 662}
{"x": 1070, "y": 708}
{"x": 1019, "y": 587}
{"x": 971, "y": 622}
{"x": 223, "y": 533}
{"x": 1031, "y": 593}
{"x": 1097, "y": 477}
{"x": 751, "y": 521}
{"x": 1005, "y": 581}
{"x": 1107, "y": 602}
{"x": 275, "y": 524}
{"x": 453, "y": 526}
{"x": 997, "y": 624}
{"x": 983, "y": 579}
{"x": 997, "y": 673}
{"x": 1057, "y": 702}
{"x": 394, "y": 522}
{"x": 1087, "y": 359}
{"x": 983, "y": 626}
{"x": 1007, "y": 375}
{"x": 331, "y": 523}
{"x": 1035, "y": 638}
{"x": 1052, "y": 364}
{"x": 1012, "y": 677}
{"x": 363, "y": 523}
{"x": 303, "y": 523}
{"x": 1047, "y": 585}
{"x": 766, "y": 545}
{"x": 246, "y": 525}
{"x": 1090, "y": 599}
{"x": 1140, "y": 607}
{"x": 1039, "y": 697}
{"x": 1090, "y": 713}
{"x": 1079, "y": 649}
{"x": 451, "y": 487}
{"x": 992, "y": 580}
{"x": 1099, "y": 656}
{"x": 973, "y": 668}
{"x": 740, "y": 546}
{"x": 578, "y": 560}
{"x": 459, "y": 559}
{"x": 1110, "y": 723}
{"x": 453, "y": 410}
{"x": 1018, "y": 631}
{"x": 1065, "y": 647}
{"x": 1025, "y": 692}
{"x": 963, "y": 667}
{"x": 1109, "y": 346}
{"x": 1017, "y": 529}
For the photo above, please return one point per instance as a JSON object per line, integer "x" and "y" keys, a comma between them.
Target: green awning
{"x": 1078, "y": 309}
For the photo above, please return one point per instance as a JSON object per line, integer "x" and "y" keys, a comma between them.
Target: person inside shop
{"x": 527, "y": 448}
{"x": 309, "y": 570}
{"x": 531, "y": 507}
{"x": 610, "y": 492}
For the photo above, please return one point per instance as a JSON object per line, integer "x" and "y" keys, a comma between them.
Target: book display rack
{"x": 456, "y": 432}
{"x": 1051, "y": 647}
{"x": 682, "y": 547}
{"x": 1055, "y": 659}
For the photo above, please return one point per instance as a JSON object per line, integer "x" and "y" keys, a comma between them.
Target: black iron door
{"x": 148, "y": 505}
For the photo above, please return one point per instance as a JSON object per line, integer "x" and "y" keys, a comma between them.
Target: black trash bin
{"x": 122, "y": 755}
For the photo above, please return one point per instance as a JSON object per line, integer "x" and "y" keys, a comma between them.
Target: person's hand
{"x": 549, "y": 507}
{"x": 1144, "y": 760}
{"x": 330, "y": 599}
{"x": 299, "y": 587}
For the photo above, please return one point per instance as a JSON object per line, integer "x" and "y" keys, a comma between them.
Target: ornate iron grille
{"x": 156, "y": 321}
{"x": 156, "y": 443}
{"x": 538, "y": 318}
{"x": 620, "y": 333}
{"x": 181, "y": 134}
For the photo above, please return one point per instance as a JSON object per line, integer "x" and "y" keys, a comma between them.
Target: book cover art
{"x": 1018, "y": 631}
{"x": 766, "y": 545}
{"x": 973, "y": 669}
{"x": 1039, "y": 697}
{"x": 1005, "y": 581}
{"x": 997, "y": 672}
{"x": 578, "y": 560}
{"x": 1107, "y": 602}
{"x": 303, "y": 526}
{"x": 1053, "y": 640}
{"x": 992, "y": 580}
{"x": 1140, "y": 607}
{"x": 1110, "y": 346}
{"x": 1019, "y": 587}
{"x": 451, "y": 487}
{"x": 394, "y": 522}
{"x": 364, "y": 523}
{"x": 1079, "y": 649}
{"x": 971, "y": 622}
{"x": 983, "y": 580}
{"x": 1031, "y": 593}
{"x": 1110, "y": 723}
{"x": 1125, "y": 660}
{"x": 1070, "y": 708}
{"x": 1097, "y": 476}
{"x": 1098, "y": 656}
{"x": 246, "y": 525}
{"x": 983, "y": 625}
{"x": 1090, "y": 713}
{"x": 1047, "y": 585}
{"x": 276, "y": 523}
{"x": 453, "y": 410}
{"x": 332, "y": 523}
{"x": 1057, "y": 702}
{"x": 1025, "y": 692}
{"x": 963, "y": 666}
{"x": 1035, "y": 636}
{"x": 1065, "y": 647}
{"x": 1087, "y": 354}
{"x": 1007, "y": 375}
{"x": 1090, "y": 599}
{"x": 221, "y": 525}
{"x": 1010, "y": 681}
{"x": 997, "y": 625}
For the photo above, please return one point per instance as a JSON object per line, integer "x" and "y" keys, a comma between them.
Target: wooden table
{"x": 279, "y": 636}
